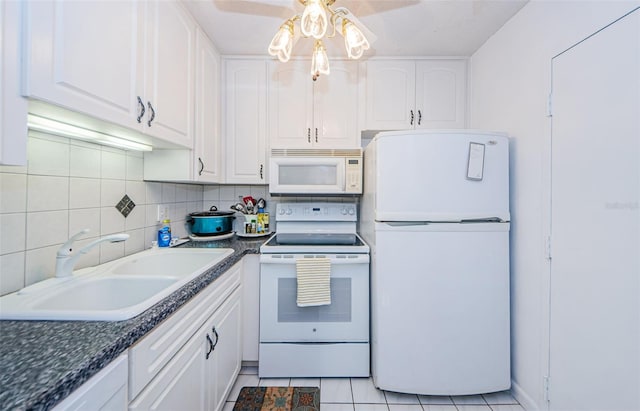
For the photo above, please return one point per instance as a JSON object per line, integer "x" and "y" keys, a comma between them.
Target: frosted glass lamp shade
{"x": 282, "y": 43}
{"x": 314, "y": 20}
{"x": 320, "y": 61}
{"x": 354, "y": 41}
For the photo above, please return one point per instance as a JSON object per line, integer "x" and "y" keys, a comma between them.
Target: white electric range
{"x": 318, "y": 341}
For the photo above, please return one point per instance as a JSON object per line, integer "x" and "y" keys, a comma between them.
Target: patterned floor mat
{"x": 278, "y": 399}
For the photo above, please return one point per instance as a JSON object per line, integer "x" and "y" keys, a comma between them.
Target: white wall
{"x": 510, "y": 83}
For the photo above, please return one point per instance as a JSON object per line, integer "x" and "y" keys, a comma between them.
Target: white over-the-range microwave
{"x": 315, "y": 171}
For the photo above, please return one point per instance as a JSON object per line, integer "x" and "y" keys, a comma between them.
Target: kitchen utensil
{"x": 212, "y": 222}
{"x": 240, "y": 208}
{"x": 261, "y": 203}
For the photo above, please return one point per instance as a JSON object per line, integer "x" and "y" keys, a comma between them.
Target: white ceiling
{"x": 400, "y": 27}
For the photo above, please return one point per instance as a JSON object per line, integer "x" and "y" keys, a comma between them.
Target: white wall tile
{"x": 114, "y": 164}
{"x": 84, "y": 192}
{"x": 13, "y": 169}
{"x": 181, "y": 193}
{"x": 180, "y": 213}
{"x": 13, "y": 193}
{"x": 111, "y": 251}
{"x": 111, "y": 192}
{"x": 47, "y": 228}
{"x": 259, "y": 191}
{"x": 136, "y": 191}
{"x": 40, "y": 264}
{"x": 85, "y": 161}
{"x": 135, "y": 243}
{"x": 154, "y": 193}
{"x": 194, "y": 193}
{"x": 136, "y": 219}
{"x": 135, "y": 167}
{"x": 168, "y": 193}
{"x": 111, "y": 221}
{"x": 48, "y": 157}
{"x": 46, "y": 193}
{"x": 228, "y": 193}
{"x": 211, "y": 193}
{"x": 12, "y": 232}
{"x": 151, "y": 215}
{"x": 85, "y": 218}
{"x": 11, "y": 272}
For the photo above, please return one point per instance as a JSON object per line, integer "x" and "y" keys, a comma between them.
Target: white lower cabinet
{"x": 250, "y": 307}
{"x": 191, "y": 360}
{"x": 107, "y": 390}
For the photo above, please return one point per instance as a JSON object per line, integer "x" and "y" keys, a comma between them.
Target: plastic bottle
{"x": 164, "y": 234}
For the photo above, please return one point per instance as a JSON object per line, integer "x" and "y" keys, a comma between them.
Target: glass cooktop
{"x": 319, "y": 239}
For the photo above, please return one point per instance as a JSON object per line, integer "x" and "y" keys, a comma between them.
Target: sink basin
{"x": 114, "y": 291}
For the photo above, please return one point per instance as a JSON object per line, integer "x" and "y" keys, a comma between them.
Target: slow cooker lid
{"x": 212, "y": 214}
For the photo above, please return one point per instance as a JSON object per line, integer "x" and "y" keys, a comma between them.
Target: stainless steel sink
{"x": 118, "y": 290}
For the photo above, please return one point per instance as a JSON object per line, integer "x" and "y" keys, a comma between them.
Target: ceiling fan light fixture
{"x": 319, "y": 61}
{"x": 314, "y": 19}
{"x": 354, "y": 41}
{"x": 282, "y": 43}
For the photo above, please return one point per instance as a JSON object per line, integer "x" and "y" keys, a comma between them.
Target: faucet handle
{"x": 65, "y": 249}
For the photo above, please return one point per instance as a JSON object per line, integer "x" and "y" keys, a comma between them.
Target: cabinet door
{"x": 85, "y": 56}
{"x": 13, "y": 107}
{"x": 291, "y": 105}
{"x": 224, "y": 363}
{"x": 336, "y": 107}
{"x": 246, "y": 111}
{"x": 390, "y": 95}
{"x": 107, "y": 390}
{"x": 207, "y": 155}
{"x": 181, "y": 385}
{"x": 441, "y": 93}
{"x": 170, "y": 72}
{"x": 250, "y": 307}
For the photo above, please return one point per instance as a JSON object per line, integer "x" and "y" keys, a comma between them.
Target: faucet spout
{"x": 65, "y": 261}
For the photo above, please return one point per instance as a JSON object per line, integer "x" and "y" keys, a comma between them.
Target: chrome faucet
{"x": 65, "y": 261}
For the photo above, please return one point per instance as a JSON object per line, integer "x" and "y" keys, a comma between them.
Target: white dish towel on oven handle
{"x": 314, "y": 281}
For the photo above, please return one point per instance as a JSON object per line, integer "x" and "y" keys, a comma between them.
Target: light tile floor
{"x": 359, "y": 394}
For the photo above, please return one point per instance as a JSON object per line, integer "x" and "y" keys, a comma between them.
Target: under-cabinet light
{"x": 47, "y": 125}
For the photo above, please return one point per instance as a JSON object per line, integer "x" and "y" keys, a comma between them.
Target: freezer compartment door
{"x": 440, "y": 309}
{"x": 440, "y": 176}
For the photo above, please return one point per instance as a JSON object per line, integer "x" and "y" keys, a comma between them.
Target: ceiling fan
{"x": 317, "y": 20}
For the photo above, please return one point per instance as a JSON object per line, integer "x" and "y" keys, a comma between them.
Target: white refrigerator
{"x": 435, "y": 212}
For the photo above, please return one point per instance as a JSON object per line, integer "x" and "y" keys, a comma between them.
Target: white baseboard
{"x": 523, "y": 398}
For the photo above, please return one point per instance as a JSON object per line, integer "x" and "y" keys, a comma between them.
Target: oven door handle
{"x": 336, "y": 259}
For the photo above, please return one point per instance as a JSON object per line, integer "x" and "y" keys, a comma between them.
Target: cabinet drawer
{"x": 154, "y": 351}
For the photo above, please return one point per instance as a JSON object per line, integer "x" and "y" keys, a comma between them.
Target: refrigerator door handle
{"x": 406, "y": 223}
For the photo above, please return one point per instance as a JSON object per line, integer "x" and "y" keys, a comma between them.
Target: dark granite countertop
{"x": 42, "y": 362}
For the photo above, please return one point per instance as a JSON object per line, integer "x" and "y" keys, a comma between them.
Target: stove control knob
{"x": 344, "y": 211}
{"x": 289, "y": 211}
{"x": 352, "y": 211}
{"x": 281, "y": 212}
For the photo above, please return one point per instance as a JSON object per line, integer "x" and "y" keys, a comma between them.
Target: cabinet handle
{"x": 153, "y": 113}
{"x": 142, "y": 110}
{"x": 201, "y": 166}
{"x": 211, "y": 346}
{"x": 419, "y": 117}
{"x": 316, "y": 134}
{"x": 261, "y": 171}
{"x": 309, "y": 135}
{"x": 411, "y": 117}
{"x": 217, "y": 337}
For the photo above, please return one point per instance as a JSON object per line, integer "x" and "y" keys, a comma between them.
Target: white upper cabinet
{"x": 170, "y": 72}
{"x": 203, "y": 164}
{"x": 13, "y": 107}
{"x": 127, "y": 62}
{"x": 403, "y": 94}
{"x": 313, "y": 114}
{"x": 246, "y": 121}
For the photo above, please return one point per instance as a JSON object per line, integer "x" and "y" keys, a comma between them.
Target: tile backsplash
{"x": 69, "y": 185}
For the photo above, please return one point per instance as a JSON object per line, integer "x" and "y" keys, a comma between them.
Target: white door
{"x": 246, "y": 111}
{"x": 441, "y": 176}
{"x": 170, "y": 72}
{"x": 390, "y": 95}
{"x": 86, "y": 56}
{"x": 440, "y": 308}
{"x": 441, "y": 94}
{"x": 595, "y": 230}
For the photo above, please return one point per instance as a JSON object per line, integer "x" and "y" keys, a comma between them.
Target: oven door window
{"x": 339, "y": 311}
